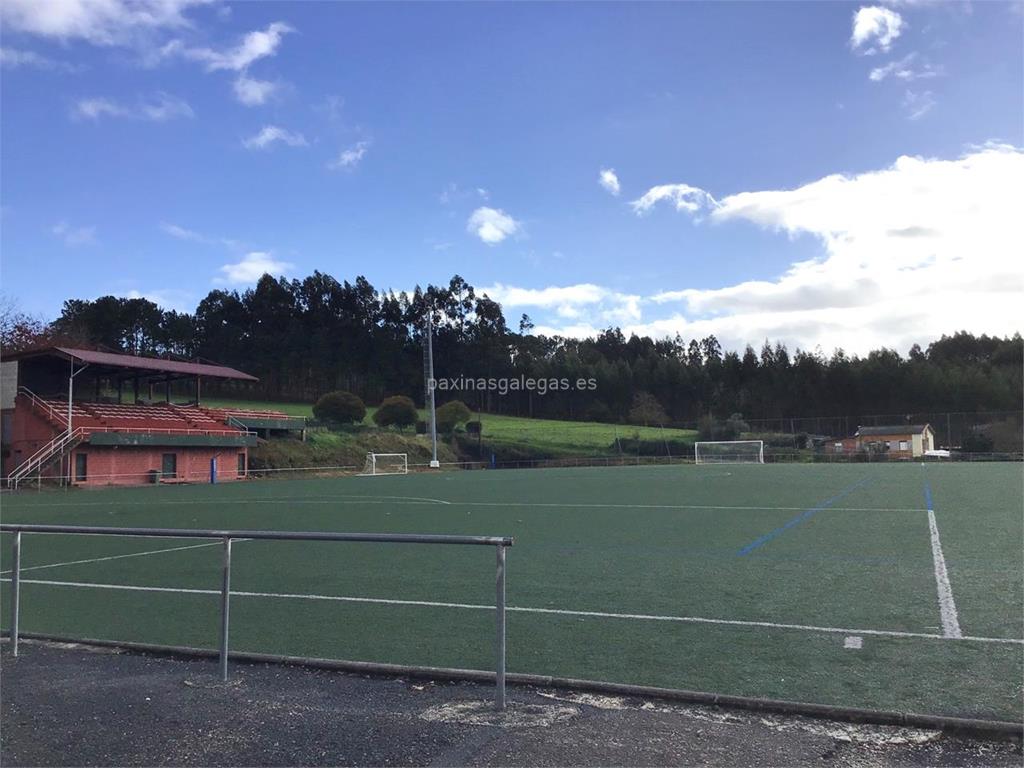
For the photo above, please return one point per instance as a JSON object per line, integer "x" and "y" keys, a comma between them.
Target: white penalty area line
{"x": 120, "y": 557}
{"x": 519, "y": 609}
{"x": 947, "y": 606}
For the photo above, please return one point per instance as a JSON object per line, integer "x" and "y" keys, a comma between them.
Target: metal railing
{"x": 500, "y": 543}
{"x": 43, "y": 405}
{"x": 62, "y": 442}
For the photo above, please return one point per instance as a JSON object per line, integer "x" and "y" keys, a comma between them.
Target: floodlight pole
{"x": 430, "y": 389}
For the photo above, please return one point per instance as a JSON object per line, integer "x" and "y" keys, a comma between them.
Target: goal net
{"x": 386, "y": 464}
{"x": 729, "y": 452}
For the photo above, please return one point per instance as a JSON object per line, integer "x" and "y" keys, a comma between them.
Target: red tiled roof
{"x": 157, "y": 364}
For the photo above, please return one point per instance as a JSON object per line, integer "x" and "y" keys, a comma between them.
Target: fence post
{"x": 499, "y": 678}
{"x": 225, "y": 597}
{"x": 15, "y": 590}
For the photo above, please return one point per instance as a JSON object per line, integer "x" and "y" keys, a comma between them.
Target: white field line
{"x": 947, "y": 608}
{"x": 121, "y": 557}
{"x": 413, "y": 500}
{"x": 517, "y": 609}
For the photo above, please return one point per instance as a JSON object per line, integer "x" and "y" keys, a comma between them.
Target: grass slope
{"x": 540, "y": 437}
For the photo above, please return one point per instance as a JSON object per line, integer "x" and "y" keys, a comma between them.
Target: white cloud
{"x": 270, "y": 134}
{"x": 13, "y": 58}
{"x": 100, "y": 22}
{"x": 918, "y": 104}
{"x": 190, "y": 235}
{"x": 875, "y": 25}
{"x": 609, "y": 180}
{"x": 251, "y": 268}
{"x": 907, "y": 69}
{"x": 349, "y": 158}
{"x": 554, "y": 296}
{"x": 584, "y": 303}
{"x": 169, "y": 298}
{"x": 182, "y": 233}
{"x": 923, "y": 247}
{"x": 254, "y": 46}
{"x": 492, "y": 225}
{"x": 253, "y": 92}
{"x": 74, "y": 236}
{"x": 159, "y": 108}
{"x": 683, "y": 196}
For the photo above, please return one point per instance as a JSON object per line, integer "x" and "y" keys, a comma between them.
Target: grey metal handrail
{"x": 227, "y": 536}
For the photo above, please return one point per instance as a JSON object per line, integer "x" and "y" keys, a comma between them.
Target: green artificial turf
{"x": 820, "y": 546}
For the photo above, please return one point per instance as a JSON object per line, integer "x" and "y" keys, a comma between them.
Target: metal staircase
{"x": 34, "y": 464}
{"x": 62, "y": 444}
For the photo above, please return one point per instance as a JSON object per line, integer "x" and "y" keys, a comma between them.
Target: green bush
{"x": 397, "y": 410}
{"x": 421, "y": 427}
{"x": 450, "y": 415}
{"x": 340, "y": 407}
{"x": 473, "y": 427}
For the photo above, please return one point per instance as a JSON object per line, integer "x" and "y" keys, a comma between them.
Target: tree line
{"x": 304, "y": 338}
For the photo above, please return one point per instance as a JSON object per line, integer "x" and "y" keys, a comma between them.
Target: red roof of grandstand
{"x": 115, "y": 360}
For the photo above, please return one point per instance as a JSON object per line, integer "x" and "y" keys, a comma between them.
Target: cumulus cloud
{"x": 253, "y": 92}
{"x": 251, "y": 268}
{"x": 100, "y": 22}
{"x": 74, "y": 236}
{"x": 683, "y": 196}
{"x": 923, "y": 247}
{"x": 158, "y": 108}
{"x": 271, "y": 134}
{"x": 492, "y": 225}
{"x": 608, "y": 179}
{"x": 254, "y": 46}
{"x": 875, "y": 26}
{"x": 349, "y": 158}
{"x": 585, "y": 304}
{"x": 908, "y": 68}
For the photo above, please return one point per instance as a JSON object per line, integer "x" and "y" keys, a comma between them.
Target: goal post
{"x": 729, "y": 452}
{"x": 386, "y": 464}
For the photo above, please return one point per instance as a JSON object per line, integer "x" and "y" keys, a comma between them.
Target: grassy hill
{"x": 514, "y": 435}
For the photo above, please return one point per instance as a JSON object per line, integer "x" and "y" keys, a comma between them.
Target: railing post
{"x": 225, "y": 606}
{"x": 499, "y": 678}
{"x": 15, "y": 590}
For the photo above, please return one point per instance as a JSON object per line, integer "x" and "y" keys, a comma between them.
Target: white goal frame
{"x": 400, "y": 467}
{"x": 754, "y": 455}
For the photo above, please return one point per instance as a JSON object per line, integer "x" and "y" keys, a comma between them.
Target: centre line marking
{"x": 523, "y": 609}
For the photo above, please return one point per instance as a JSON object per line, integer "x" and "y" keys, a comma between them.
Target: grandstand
{"x": 59, "y": 420}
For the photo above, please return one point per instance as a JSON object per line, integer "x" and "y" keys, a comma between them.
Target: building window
{"x": 903, "y": 445}
{"x": 170, "y": 465}
{"x": 837, "y": 447}
{"x": 241, "y": 463}
{"x": 81, "y": 467}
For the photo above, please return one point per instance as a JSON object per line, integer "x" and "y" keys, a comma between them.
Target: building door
{"x": 81, "y": 467}
{"x": 241, "y": 463}
{"x": 170, "y": 465}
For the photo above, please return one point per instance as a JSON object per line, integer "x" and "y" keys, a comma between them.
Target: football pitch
{"x": 895, "y": 586}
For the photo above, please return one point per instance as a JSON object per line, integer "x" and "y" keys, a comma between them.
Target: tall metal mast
{"x": 429, "y": 398}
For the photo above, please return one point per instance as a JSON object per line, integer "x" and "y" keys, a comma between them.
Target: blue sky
{"x": 756, "y": 186}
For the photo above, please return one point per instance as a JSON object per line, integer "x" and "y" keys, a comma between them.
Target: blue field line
{"x": 805, "y": 515}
